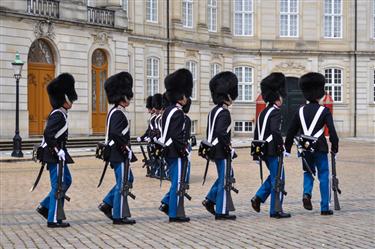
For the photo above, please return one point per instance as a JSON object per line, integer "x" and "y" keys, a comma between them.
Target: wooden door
{"x": 40, "y": 71}
{"x": 99, "y": 73}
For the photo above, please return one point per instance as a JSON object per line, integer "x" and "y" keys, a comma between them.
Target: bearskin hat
{"x": 118, "y": 87}
{"x": 186, "y": 107}
{"x": 61, "y": 89}
{"x": 149, "y": 102}
{"x": 178, "y": 84}
{"x": 312, "y": 86}
{"x": 222, "y": 85}
{"x": 273, "y": 87}
{"x": 165, "y": 101}
{"x": 157, "y": 100}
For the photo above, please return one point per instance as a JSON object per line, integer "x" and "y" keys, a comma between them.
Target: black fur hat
{"x": 178, "y": 84}
{"x": 165, "y": 101}
{"x": 119, "y": 86}
{"x": 186, "y": 108}
{"x": 61, "y": 89}
{"x": 157, "y": 100}
{"x": 312, "y": 86}
{"x": 149, "y": 102}
{"x": 222, "y": 85}
{"x": 273, "y": 87}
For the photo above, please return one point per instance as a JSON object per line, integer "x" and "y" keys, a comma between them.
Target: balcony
{"x": 100, "y": 16}
{"x": 45, "y": 8}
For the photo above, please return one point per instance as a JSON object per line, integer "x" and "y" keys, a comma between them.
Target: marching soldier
{"x": 119, "y": 93}
{"x": 224, "y": 90}
{"x": 268, "y": 129}
{"x": 310, "y": 121}
{"x": 179, "y": 87}
{"x": 62, "y": 95}
{"x": 150, "y": 110}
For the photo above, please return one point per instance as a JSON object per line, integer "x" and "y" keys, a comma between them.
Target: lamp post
{"x": 17, "y": 140}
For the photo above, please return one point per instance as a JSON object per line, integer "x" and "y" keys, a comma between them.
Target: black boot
{"x": 225, "y": 217}
{"x": 209, "y": 205}
{"x": 43, "y": 211}
{"x": 58, "y": 224}
{"x": 255, "y": 203}
{"x": 164, "y": 208}
{"x": 307, "y": 202}
{"x": 179, "y": 219}
{"x": 280, "y": 215}
{"x": 123, "y": 221}
{"x": 106, "y": 209}
{"x": 328, "y": 212}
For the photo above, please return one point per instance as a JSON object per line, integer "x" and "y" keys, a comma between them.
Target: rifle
{"x": 205, "y": 171}
{"x": 146, "y": 162}
{"x": 301, "y": 151}
{"x": 279, "y": 185}
{"x": 229, "y": 181}
{"x": 335, "y": 183}
{"x": 60, "y": 193}
{"x": 181, "y": 192}
{"x": 125, "y": 190}
{"x": 103, "y": 173}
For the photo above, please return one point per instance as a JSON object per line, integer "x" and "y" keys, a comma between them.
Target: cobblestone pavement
{"x": 352, "y": 227}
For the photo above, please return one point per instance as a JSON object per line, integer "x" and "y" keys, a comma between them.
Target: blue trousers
{"x": 318, "y": 161}
{"x": 171, "y": 198}
{"x": 217, "y": 192}
{"x": 50, "y": 201}
{"x": 114, "y": 197}
{"x": 268, "y": 185}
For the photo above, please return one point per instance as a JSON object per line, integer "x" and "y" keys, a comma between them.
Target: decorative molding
{"x": 290, "y": 68}
{"x": 217, "y": 56}
{"x": 44, "y": 28}
{"x": 101, "y": 38}
{"x": 191, "y": 53}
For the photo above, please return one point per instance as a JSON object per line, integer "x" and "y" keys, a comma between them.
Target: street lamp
{"x": 17, "y": 67}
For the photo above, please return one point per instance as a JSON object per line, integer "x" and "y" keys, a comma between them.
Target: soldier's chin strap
{"x": 68, "y": 100}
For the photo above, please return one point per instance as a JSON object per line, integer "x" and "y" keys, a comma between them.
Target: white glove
{"x": 139, "y": 139}
{"x": 232, "y": 153}
{"x": 286, "y": 154}
{"x": 130, "y": 154}
{"x": 61, "y": 154}
{"x": 147, "y": 139}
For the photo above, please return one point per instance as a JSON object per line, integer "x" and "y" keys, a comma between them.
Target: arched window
{"x": 152, "y": 76}
{"x": 215, "y": 69}
{"x": 192, "y": 66}
{"x": 245, "y": 83}
{"x": 40, "y": 52}
{"x": 334, "y": 83}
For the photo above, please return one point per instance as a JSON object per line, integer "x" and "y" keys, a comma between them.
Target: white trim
{"x": 331, "y": 15}
{"x": 212, "y": 15}
{"x": 309, "y": 131}
{"x": 152, "y": 13}
{"x": 121, "y": 194}
{"x": 329, "y": 74}
{"x": 178, "y": 178}
{"x": 288, "y": 15}
{"x": 243, "y": 13}
{"x": 186, "y": 21}
{"x": 192, "y": 66}
{"x": 152, "y": 76}
{"x": 242, "y": 83}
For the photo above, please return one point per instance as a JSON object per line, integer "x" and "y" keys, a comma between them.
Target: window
{"x": 215, "y": 69}
{"x": 152, "y": 76}
{"x": 243, "y": 17}
{"x": 289, "y": 18}
{"x": 373, "y": 19}
{"x": 192, "y": 67}
{"x": 334, "y": 83}
{"x": 243, "y": 126}
{"x": 245, "y": 83}
{"x": 332, "y": 18}
{"x": 187, "y": 13}
{"x": 125, "y": 6}
{"x": 374, "y": 87}
{"x": 194, "y": 125}
{"x": 91, "y": 3}
{"x": 212, "y": 15}
{"x": 152, "y": 10}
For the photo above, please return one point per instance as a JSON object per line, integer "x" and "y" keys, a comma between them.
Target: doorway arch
{"x": 40, "y": 71}
{"x": 99, "y": 73}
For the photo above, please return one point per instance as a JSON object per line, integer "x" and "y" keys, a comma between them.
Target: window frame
{"x": 185, "y": 14}
{"x": 334, "y": 85}
{"x": 125, "y": 7}
{"x": 149, "y": 11}
{"x": 243, "y": 126}
{"x": 212, "y": 11}
{"x": 194, "y": 126}
{"x": 244, "y": 83}
{"x": 215, "y": 68}
{"x": 332, "y": 16}
{"x": 194, "y": 95}
{"x": 288, "y": 13}
{"x": 243, "y": 13}
{"x": 153, "y": 78}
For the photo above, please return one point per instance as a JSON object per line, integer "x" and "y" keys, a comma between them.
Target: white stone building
{"x": 94, "y": 39}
